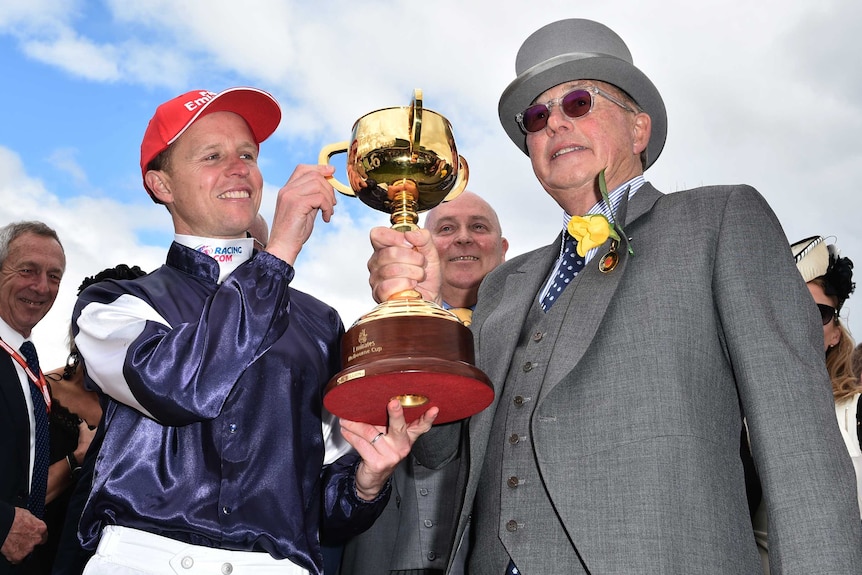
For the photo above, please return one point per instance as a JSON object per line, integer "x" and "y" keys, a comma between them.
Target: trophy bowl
{"x": 403, "y": 161}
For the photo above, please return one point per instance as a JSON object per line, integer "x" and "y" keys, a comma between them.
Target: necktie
{"x": 36, "y": 502}
{"x": 511, "y": 569}
{"x": 570, "y": 265}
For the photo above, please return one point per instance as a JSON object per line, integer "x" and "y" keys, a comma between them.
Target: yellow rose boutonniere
{"x": 591, "y": 231}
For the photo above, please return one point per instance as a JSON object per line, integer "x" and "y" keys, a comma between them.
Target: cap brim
{"x": 521, "y": 93}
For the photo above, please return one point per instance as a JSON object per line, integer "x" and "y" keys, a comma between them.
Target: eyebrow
{"x": 473, "y": 219}
{"x": 247, "y": 145}
{"x": 34, "y": 264}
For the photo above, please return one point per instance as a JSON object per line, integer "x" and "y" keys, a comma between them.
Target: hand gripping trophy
{"x": 403, "y": 161}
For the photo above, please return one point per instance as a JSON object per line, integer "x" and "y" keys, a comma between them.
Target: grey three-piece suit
{"x": 612, "y": 445}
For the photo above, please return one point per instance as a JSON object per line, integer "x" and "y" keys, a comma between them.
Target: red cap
{"x": 258, "y": 108}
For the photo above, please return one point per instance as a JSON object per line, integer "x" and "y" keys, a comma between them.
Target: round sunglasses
{"x": 574, "y": 104}
{"x": 827, "y": 313}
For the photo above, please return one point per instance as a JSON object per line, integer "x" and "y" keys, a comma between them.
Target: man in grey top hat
{"x": 625, "y": 353}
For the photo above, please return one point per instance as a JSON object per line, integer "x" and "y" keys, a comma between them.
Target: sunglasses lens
{"x": 827, "y": 313}
{"x": 535, "y": 117}
{"x": 577, "y": 103}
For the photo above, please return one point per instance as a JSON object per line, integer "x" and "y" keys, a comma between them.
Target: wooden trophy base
{"x": 423, "y": 361}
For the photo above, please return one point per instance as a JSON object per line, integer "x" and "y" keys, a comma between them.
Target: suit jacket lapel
{"x": 593, "y": 292}
{"x": 502, "y": 330}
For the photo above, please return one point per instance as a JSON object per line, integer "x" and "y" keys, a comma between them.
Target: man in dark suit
{"x": 625, "y": 354}
{"x": 32, "y": 263}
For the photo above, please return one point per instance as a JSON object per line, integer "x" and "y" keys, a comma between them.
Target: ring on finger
{"x": 376, "y": 437}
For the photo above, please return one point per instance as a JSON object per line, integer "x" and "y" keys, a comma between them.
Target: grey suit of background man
{"x": 32, "y": 263}
{"x": 414, "y": 533}
{"x": 612, "y": 445}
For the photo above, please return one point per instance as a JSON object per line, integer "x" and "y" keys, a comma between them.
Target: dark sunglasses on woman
{"x": 827, "y": 313}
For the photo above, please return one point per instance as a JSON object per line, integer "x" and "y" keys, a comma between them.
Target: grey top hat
{"x": 578, "y": 49}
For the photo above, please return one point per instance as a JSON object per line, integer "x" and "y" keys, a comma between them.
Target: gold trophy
{"x": 403, "y": 161}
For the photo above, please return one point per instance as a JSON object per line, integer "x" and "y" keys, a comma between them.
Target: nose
{"x": 41, "y": 283}
{"x": 464, "y": 236}
{"x": 557, "y": 118}
{"x": 237, "y": 166}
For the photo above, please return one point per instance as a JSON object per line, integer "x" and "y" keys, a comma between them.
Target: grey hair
{"x": 10, "y": 232}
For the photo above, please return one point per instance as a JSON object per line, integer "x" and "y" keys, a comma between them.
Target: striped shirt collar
{"x": 615, "y": 197}
{"x": 600, "y": 207}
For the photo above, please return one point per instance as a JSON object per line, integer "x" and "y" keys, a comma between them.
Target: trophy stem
{"x": 404, "y": 215}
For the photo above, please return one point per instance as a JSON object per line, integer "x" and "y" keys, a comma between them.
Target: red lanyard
{"x": 39, "y": 381}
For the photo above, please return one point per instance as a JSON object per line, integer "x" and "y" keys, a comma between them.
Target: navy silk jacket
{"x": 213, "y": 423}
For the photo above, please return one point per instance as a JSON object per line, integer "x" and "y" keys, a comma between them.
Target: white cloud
{"x": 36, "y": 16}
{"x": 65, "y": 161}
{"x": 76, "y": 55}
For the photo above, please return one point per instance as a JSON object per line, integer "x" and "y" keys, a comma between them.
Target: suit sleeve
{"x": 774, "y": 341}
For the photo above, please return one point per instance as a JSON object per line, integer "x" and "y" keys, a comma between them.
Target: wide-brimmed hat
{"x": 258, "y": 108}
{"x": 816, "y": 259}
{"x": 578, "y": 49}
{"x": 811, "y": 256}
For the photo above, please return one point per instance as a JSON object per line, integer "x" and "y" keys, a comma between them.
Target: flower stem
{"x": 603, "y": 188}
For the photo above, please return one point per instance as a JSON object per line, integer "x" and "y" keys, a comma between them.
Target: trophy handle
{"x": 323, "y": 159}
{"x": 460, "y": 180}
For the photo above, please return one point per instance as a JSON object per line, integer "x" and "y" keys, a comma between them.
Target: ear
{"x": 641, "y": 131}
{"x": 834, "y": 338}
{"x": 158, "y": 183}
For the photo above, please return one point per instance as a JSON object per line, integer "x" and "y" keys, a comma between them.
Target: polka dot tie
{"x": 570, "y": 265}
{"x": 36, "y": 502}
{"x": 511, "y": 569}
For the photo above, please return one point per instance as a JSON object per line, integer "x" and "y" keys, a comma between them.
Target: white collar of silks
{"x": 229, "y": 254}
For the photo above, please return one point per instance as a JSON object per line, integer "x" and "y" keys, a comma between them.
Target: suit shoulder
{"x": 712, "y": 194}
{"x": 714, "y": 200}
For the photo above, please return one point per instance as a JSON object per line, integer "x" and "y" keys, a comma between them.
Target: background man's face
{"x": 468, "y": 238}
{"x": 29, "y": 280}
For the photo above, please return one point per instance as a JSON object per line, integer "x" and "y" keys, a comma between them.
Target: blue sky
{"x": 762, "y": 93}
